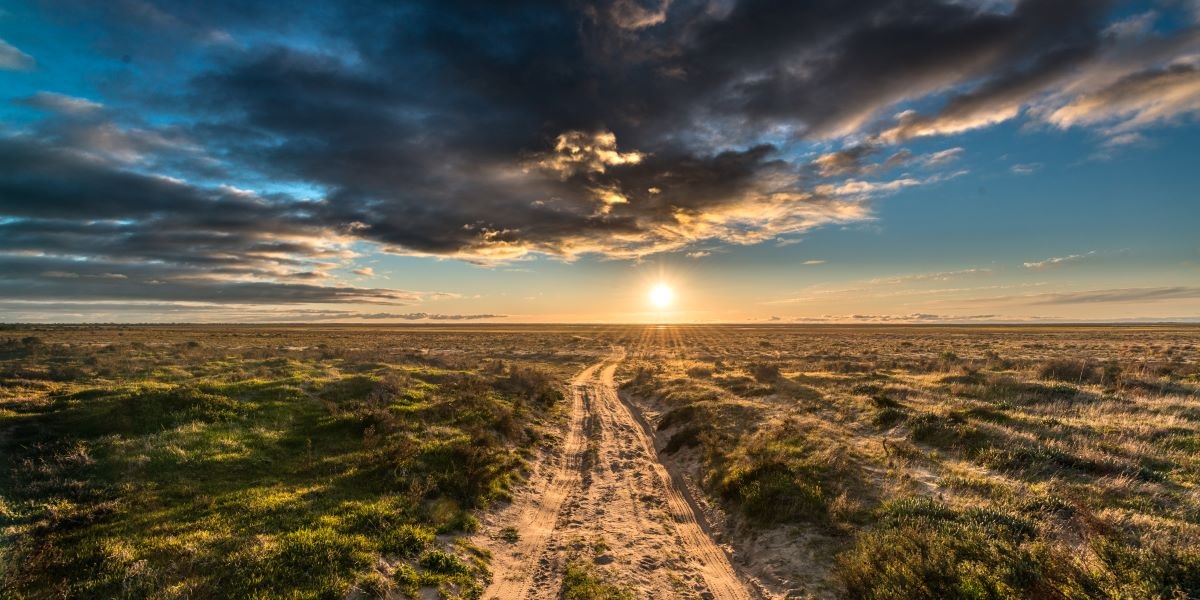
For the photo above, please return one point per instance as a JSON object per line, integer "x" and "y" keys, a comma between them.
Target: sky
{"x": 768, "y": 160}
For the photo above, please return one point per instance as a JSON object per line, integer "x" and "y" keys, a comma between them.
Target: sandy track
{"x": 606, "y": 498}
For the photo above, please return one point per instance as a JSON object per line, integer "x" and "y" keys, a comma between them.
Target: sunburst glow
{"x": 662, "y": 295}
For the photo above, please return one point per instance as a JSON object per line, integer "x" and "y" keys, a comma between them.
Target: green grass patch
{"x": 273, "y": 479}
{"x": 581, "y": 582}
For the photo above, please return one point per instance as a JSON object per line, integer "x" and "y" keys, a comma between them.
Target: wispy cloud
{"x": 1057, "y": 261}
{"x": 1120, "y": 295}
{"x": 898, "y": 318}
{"x": 942, "y": 157}
{"x": 934, "y": 276}
{"x": 62, "y": 103}
{"x": 1137, "y": 100}
{"x": 889, "y": 286}
{"x": 12, "y": 59}
{"x": 1125, "y": 139}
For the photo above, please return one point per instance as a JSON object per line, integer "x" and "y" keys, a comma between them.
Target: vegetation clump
{"x": 1023, "y": 463}
{"x": 184, "y": 468}
{"x": 923, "y": 548}
{"x": 581, "y": 582}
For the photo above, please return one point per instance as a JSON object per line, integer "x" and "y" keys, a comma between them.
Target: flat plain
{"x": 600, "y": 461}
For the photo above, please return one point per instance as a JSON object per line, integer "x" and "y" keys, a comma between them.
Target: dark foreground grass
{"x": 924, "y": 549}
{"x": 194, "y": 472}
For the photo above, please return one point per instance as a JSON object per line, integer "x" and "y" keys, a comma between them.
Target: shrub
{"x": 510, "y": 535}
{"x": 969, "y": 377}
{"x": 1072, "y": 371}
{"x": 888, "y": 417}
{"x": 949, "y": 431}
{"x": 688, "y": 437}
{"x": 443, "y": 563}
{"x": 923, "y": 549}
{"x": 881, "y": 401}
{"x": 678, "y": 416}
{"x": 776, "y": 493}
{"x": 405, "y": 540}
{"x": 765, "y": 372}
{"x": 532, "y": 385}
{"x": 1165, "y": 566}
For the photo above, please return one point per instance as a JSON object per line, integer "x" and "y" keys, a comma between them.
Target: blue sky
{"x": 890, "y": 161}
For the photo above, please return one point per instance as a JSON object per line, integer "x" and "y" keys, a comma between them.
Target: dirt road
{"x": 605, "y": 499}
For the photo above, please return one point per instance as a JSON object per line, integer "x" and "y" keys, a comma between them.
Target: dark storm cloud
{"x": 40, "y": 277}
{"x": 870, "y": 56}
{"x": 73, "y": 226}
{"x": 443, "y": 167}
{"x": 198, "y": 312}
{"x": 488, "y": 131}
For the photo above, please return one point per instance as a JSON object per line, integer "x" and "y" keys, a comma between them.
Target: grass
{"x": 779, "y": 475}
{"x": 925, "y": 549}
{"x": 325, "y": 462}
{"x": 581, "y": 582}
{"x": 210, "y": 469}
{"x": 942, "y": 462}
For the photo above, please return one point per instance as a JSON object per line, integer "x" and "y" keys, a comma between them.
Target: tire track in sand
{"x": 535, "y": 512}
{"x": 713, "y": 563}
{"x": 656, "y": 543}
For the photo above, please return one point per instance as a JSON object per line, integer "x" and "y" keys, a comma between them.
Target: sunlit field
{"x": 827, "y": 462}
{"x": 940, "y": 462}
{"x": 600, "y": 300}
{"x": 225, "y": 462}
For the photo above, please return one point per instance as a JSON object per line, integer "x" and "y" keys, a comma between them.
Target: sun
{"x": 661, "y": 295}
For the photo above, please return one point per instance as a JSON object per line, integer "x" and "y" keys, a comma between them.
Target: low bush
{"x": 888, "y": 417}
{"x": 764, "y": 372}
{"x": 950, "y": 431}
{"x": 688, "y": 437}
{"x": 779, "y": 476}
{"x": 924, "y": 549}
{"x": 1071, "y": 371}
{"x": 678, "y": 416}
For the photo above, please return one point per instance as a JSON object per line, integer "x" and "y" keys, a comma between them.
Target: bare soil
{"x": 604, "y": 496}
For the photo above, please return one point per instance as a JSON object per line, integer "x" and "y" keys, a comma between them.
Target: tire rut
{"x": 608, "y": 495}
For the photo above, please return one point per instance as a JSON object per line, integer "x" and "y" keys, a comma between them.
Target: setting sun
{"x": 661, "y": 295}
